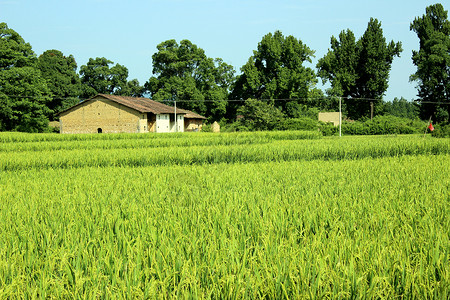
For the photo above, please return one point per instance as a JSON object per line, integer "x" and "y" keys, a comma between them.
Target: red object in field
{"x": 431, "y": 127}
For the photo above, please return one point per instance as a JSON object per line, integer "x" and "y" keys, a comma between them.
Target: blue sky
{"x": 127, "y": 32}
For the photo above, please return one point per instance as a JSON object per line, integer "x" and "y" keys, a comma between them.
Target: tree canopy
{"x": 359, "y": 70}
{"x": 23, "y": 92}
{"x": 433, "y": 62}
{"x": 276, "y": 70}
{"x": 401, "y": 108}
{"x": 259, "y": 115}
{"x": 184, "y": 72}
{"x": 60, "y": 73}
{"x": 98, "y": 77}
{"x": 340, "y": 64}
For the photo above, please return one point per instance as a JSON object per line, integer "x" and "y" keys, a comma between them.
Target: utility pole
{"x": 340, "y": 116}
{"x": 371, "y": 110}
{"x": 176, "y": 125}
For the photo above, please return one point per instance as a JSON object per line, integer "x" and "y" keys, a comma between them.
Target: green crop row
{"x": 21, "y": 137}
{"x": 134, "y": 141}
{"x": 277, "y": 150}
{"x": 366, "y": 228}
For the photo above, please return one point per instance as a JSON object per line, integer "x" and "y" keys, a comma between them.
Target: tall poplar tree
{"x": 359, "y": 70}
{"x": 340, "y": 64}
{"x": 433, "y": 63}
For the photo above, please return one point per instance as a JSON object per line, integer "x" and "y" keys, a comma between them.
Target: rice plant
{"x": 277, "y": 219}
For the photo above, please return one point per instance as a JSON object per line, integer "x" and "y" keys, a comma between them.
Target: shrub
{"x": 233, "y": 127}
{"x": 206, "y": 128}
{"x": 328, "y": 129}
{"x": 259, "y": 115}
{"x": 441, "y": 130}
{"x": 304, "y": 123}
{"x": 383, "y": 125}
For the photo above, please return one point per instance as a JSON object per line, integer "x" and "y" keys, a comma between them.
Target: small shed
{"x": 215, "y": 127}
{"x": 193, "y": 121}
{"x": 329, "y": 117}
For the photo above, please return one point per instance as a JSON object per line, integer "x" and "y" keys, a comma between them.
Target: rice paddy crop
{"x": 257, "y": 215}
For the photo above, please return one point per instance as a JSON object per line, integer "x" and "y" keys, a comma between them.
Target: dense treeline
{"x": 274, "y": 85}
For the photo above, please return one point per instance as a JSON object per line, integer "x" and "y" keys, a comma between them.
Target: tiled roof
{"x": 193, "y": 115}
{"x": 143, "y": 105}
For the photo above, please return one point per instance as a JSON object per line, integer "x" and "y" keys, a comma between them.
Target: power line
{"x": 432, "y": 102}
{"x": 232, "y": 100}
{"x": 204, "y": 100}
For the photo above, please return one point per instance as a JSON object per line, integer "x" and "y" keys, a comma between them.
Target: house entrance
{"x": 99, "y": 130}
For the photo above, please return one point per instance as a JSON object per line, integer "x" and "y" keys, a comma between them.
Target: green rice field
{"x": 263, "y": 215}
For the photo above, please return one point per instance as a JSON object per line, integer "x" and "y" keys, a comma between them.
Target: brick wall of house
{"x": 105, "y": 115}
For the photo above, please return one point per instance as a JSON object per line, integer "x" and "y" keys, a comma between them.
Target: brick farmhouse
{"x": 110, "y": 113}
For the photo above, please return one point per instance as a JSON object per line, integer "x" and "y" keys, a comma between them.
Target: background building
{"x": 112, "y": 114}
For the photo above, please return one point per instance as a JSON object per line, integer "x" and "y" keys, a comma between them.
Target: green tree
{"x": 214, "y": 78}
{"x": 276, "y": 71}
{"x": 401, "y": 108}
{"x": 259, "y": 115}
{"x": 184, "y": 72}
{"x": 339, "y": 65}
{"x": 23, "y": 92}
{"x": 374, "y": 64}
{"x": 97, "y": 77}
{"x": 433, "y": 63}
{"x": 359, "y": 70}
{"x": 60, "y": 73}
{"x": 133, "y": 89}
